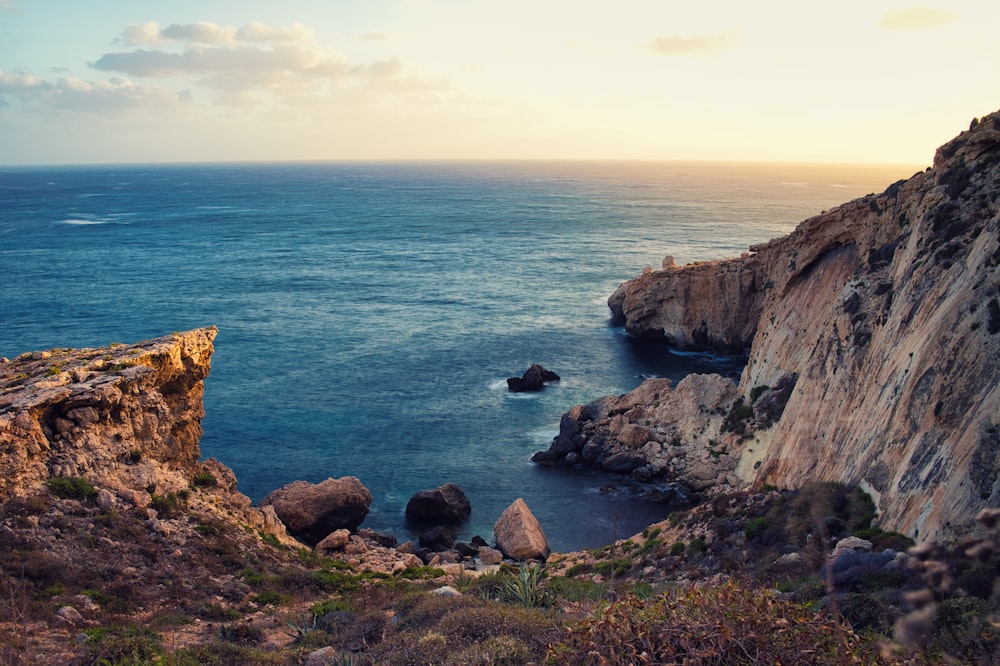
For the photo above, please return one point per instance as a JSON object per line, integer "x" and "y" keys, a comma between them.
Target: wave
{"x": 81, "y": 222}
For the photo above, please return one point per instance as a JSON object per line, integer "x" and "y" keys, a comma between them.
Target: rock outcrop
{"x": 886, "y": 311}
{"x": 518, "y": 534}
{"x": 311, "y": 511}
{"x": 533, "y": 379}
{"x": 444, "y": 505}
{"x": 126, "y": 418}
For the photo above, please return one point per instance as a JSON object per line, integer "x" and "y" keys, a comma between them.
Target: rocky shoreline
{"x": 864, "y": 421}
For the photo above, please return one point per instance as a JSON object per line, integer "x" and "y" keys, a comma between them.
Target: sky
{"x": 853, "y": 81}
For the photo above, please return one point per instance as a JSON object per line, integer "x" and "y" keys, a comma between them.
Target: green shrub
{"x": 697, "y": 545}
{"x": 577, "y": 589}
{"x": 122, "y": 645}
{"x": 270, "y": 598}
{"x": 755, "y": 526}
{"x": 168, "y": 505}
{"x": 205, "y": 479}
{"x": 72, "y": 487}
{"x": 757, "y": 392}
{"x": 526, "y": 588}
{"x": 335, "y": 581}
{"x": 677, "y": 548}
{"x": 579, "y": 568}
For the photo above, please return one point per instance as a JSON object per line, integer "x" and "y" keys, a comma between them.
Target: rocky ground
{"x": 88, "y": 581}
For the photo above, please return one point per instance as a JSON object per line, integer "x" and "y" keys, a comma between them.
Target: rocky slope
{"x": 878, "y": 324}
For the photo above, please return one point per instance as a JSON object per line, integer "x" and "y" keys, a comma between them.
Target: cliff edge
{"x": 126, "y": 417}
{"x": 879, "y": 324}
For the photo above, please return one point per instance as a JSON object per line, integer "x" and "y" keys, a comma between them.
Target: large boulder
{"x": 533, "y": 379}
{"x": 518, "y": 534}
{"x": 312, "y": 511}
{"x": 444, "y": 505}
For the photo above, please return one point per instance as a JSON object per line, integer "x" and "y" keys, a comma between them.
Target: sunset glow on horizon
{"x": 117, "y": 81}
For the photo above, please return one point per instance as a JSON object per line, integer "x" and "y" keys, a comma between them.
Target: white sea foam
{"x": 82, "y": 222}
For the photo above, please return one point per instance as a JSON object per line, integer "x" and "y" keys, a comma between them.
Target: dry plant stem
{"x": 15, "y": 607}
{"x": 831, "y": 592}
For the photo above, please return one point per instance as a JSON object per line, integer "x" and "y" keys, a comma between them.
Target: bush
{"x": 697, "y": 625}
{"x": 205, "y": 480}
{"x": 72, "y": 487}
{"x": 122, "y": 645}
{"x": 167, "y": 506}
{"x": 526, "y": 588}
{"x": 755, "y": 526}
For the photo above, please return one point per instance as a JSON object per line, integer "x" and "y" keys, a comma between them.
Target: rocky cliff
{"x": 878, "y": 324}
{"x": 127, "y": 418}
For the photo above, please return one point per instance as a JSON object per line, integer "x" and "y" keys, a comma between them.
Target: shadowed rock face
{"x": 887, "y": 311}
{"x": 444, "y": 505}
{"x": 533, "y": 379}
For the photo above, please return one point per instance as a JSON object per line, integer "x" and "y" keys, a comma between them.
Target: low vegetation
{"x": 744, "y": 579}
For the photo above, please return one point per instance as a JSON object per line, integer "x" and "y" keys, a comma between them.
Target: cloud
{"x": 701, "y": 45}
{"x": 917, "y": 18}
{"x": 254, "y": 65}
{"x": 261, "y": 32}
{"x": 240, "y": 64}
{"x": 19, "y": 82}
{"x": 212, "y": 34}
{"x": 73, "y": 94}
{"x": 248, "y": 62}
{"x": 374, "y": 37}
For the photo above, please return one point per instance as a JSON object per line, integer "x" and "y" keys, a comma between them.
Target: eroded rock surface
{"x": 126, "y": 417}
{"x": 886, "y": 311}
{"x": 518, "y": 534}
{"x": 311, "y": 511}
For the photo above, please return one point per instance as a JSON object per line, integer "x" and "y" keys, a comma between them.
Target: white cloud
{"x": 19, "y": 82}
{"x": 143, "y": 34}
{"x": 73, "y": 94}
{"x": 212, "y": 34}
{"x": 240, "y": 65}
{"x": 202, "y": 32}
{"x": 255, "y": 65}
{"x": 917, "y": 18}
{"x": 261, "y": 32}
{"x": 700, "y": 45}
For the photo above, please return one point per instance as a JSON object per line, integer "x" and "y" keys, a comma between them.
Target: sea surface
{"x": 369, "y": 313}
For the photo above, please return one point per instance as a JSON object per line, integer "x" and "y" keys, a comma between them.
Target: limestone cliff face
{"x": 886, "y": 312}
{"x": 125, "y": 417}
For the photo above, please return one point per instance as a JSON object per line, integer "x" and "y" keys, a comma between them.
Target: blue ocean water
{"x": 368, "y": 314}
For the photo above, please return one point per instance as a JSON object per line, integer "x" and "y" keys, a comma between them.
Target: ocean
{"x": 369, "y": 313}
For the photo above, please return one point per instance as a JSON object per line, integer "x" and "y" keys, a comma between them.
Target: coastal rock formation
{"x": 679, "y": 434}
{"x": 533, "y": 379}
{"x": 886, "y": 311}
{"x": 126, "y": 418}
{"x": 91, "y": 412}
{"x": 311, "y": 511}
{"x": 444, "y": 505}
{"x": 518, "y": 534}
